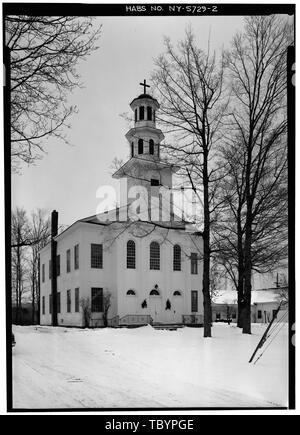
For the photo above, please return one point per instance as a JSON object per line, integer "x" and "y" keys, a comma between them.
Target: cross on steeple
{"x": 145, "y": 86}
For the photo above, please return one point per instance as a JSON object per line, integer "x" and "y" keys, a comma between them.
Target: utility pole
{"x": 54, "y": 231}
{"x": 39, "y": 292}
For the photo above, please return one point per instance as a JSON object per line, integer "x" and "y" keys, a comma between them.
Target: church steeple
{"x": 145, "y": 168}
{"x": 144, "y": 139}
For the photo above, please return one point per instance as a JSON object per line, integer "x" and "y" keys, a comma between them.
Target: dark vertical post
{"x": 54, "y": 231}
{"x": 38, "y": 292}
{"x": 160, "y": 206}
{"x": 171, "y": 207}
{"x": 182, "y": 204}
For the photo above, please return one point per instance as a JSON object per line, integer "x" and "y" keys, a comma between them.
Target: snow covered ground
{"x": 144, "y": 367}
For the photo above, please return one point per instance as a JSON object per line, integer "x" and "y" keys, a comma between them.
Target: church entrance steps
{"x": 132, "y": 320}
{"x": 136, "y": 320}
{"x": 128, "y": 326}
{"x": 170, "y": 327}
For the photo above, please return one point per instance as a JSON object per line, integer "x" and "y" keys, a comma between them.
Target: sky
{"x": 68, "y": 176}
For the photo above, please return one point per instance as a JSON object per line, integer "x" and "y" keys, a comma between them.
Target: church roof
{"x": 113, "y": 216}
{"x": 159, "y": 164}
{"x": 145, "y": 96}
{"x": 134, "y": 131}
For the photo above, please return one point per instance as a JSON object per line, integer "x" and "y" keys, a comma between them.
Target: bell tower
{"x": 144, "y": 138}
{"x": 145, "y": 166}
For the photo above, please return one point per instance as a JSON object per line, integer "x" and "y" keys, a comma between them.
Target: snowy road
{"x": 141, "y": 368}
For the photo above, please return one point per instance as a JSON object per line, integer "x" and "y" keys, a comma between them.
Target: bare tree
{"x": 269, "y": 245}
{"x": 228, "y": 229}
{"x": 218, "y": 276}
{"x": 40, "y": 230}
{"x": 44, "y": 53}
{"x": 256, "y": 188}
{"x": 106, "y": 305}
{"x": 19, "y": 231}
{"x": 85, "y": 304}
{"x": 190, "y": 83}
{"x": 283, "y": 296}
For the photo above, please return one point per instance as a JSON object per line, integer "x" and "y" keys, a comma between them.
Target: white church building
{"x": 141, "y": 255}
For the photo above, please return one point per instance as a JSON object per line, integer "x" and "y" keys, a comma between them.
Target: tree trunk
{"x": 241, "y": 296}
{"x": 248, "y": 240}
{"x": 206, "y": 292}
{"x": 105, "y": 319}
{"x": 240, "y": 288}
{"x": 247, "y": 307}
{"x": 240, "y": 321}
{"x": 206, "y": 250}
{"x": 247, "y": 279}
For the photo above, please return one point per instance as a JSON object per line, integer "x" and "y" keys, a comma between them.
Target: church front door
{"x": 155, "y": 309}
{"x": 177, "y": 309}
{"x": 131, "y": 304}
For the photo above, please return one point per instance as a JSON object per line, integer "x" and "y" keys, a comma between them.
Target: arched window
{"x": 154, "y": 292}
{"x": 130, "y": 254}
{"x": 141, "y": 146}
{"x": 130, "y": 292}
{"x": 132, "y": 149}
{"x": 142, "y": 113}
{"x": 151, "y": 146}
{"x": 149, "y": 113}
{"x": 177, "y": 293}
{"x": 135, "y": 115}
{"x": 154, "y": 256}
{"x": 176, "y": 257}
